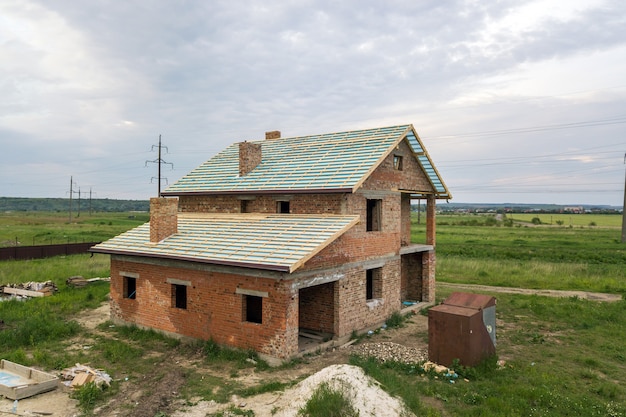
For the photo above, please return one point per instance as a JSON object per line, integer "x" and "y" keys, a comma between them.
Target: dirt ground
{"x": 159, "y": 391}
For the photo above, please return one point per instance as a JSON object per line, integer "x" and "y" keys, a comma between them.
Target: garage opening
{"x": 316, "y": 317}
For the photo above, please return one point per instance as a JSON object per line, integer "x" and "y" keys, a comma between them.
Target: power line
{"x": 531, "y": 129}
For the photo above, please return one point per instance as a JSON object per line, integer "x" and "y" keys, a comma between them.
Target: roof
{"x": 279, "y": 242}
{"x": 333, "y": 162}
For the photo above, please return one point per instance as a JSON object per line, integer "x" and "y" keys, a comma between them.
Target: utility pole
{"x": 624, "y": 208}
{"x": 71, "y": 196}
{"x": 78, "y": 215}
{"x": 159, "y": 161}
{"x": 90, "y": 201}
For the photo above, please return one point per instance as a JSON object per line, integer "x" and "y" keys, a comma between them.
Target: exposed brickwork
{"x": 428, "y": 276}
{"x": 431, "y": 220}
{"x": 214, "y": 309}
{"x": 274, "y": 134}
{"x": 163, "y": 218}
{"x": 298, "y": 203}
{"x": 337, "y": 305}
{"x": 411, "y": 285}
{"x": 249, "y": 157}
{"x": 411, "y": 177}
{"x": 317, "y": 307}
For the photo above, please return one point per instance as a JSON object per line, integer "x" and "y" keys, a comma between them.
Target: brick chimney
{"x": 163, "y": 218}
{"x": 250, "y": 156}
{"x": 274, "y": 134}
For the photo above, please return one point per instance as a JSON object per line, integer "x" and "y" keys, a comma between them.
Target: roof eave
{"x": 258, "y": 192}
{"x": 268, "y": 267}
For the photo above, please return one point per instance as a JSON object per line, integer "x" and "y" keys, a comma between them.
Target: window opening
{"x": 245, "y": 206}
{"x": 397, "y": 162}
{"x": 253, "y": 308}
{"x": 130, "y": 288}
{"x": 373, "y": 283}
{"x": 282, "y": 207}
{"x": 179, "y": 295}
{"x": 374, "y": 211}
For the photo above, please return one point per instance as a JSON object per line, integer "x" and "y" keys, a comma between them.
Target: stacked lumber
{"x": 78, "y": 281}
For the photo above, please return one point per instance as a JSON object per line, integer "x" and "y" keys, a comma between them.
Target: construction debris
{"x": 79, "y": 375}
{"x": 19, "y": 381}
{"x": 29, "y": 289}
{"x": 78, "y": 281}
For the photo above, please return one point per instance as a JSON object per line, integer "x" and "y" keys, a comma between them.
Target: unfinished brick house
{"x": 273, "y": 245}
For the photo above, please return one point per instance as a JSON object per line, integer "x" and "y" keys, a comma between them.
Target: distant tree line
{"x": 63, "y": 204}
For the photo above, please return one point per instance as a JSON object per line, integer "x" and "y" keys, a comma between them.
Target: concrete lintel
{"x": 405, "y": 250}
{"x": 245, "y": 291}
{"x": 178, "y": 282}
{"x": 316, "y": 280}
{"x": 376, "y": 194}
{"x": 129, "y": 274}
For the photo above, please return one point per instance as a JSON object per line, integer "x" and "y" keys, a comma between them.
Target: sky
{"x": 516, "y": 101}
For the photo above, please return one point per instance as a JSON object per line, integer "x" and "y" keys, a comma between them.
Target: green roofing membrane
{"x": 318, "y": 162}
{"x": 279, "y": 242}
{"x": 325, "y": 163}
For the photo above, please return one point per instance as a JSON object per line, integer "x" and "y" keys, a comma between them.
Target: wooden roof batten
{"x": 274, "y": 242}
{"x": 325, "y": 163}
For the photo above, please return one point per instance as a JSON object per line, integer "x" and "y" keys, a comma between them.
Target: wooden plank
{"x": 310, "y": 335}
{"x": 81, "y": 379}
{"x": 41, "y": 381}
{"x": 27, "y": 293}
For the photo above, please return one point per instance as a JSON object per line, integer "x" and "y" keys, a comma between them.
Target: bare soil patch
{"x": 585, "y": 295}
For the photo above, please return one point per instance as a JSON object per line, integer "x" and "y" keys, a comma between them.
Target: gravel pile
{"x": 391, "y": 352}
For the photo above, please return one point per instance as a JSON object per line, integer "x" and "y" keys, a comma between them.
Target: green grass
{"x": 567, "y": 220}
{"x": 590, "y": 259}
{"x": 327, "y": 401}
{"x": 564, "y": 357}
{"x": 45, "y": 228}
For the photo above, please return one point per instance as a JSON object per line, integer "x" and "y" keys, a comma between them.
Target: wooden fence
{"x": 44, "y": 251}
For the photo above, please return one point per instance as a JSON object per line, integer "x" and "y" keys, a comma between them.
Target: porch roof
{"x": 279, "y": 242}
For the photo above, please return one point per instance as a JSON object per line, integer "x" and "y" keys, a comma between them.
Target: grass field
{"x": 564, "y": 357}
{"x": 567, "y": 220}
{"x": 474, "y": 250}
{"x": 42, "y": 228}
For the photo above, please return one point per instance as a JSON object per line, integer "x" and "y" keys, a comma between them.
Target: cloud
{"x": 91, "y": 85}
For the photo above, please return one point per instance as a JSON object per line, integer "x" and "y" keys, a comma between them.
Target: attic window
{"x": 282, "y": 207}
{"x": 245, "y": 206}
{"x": 374, "y": 215}
{"x": 397, "y": 162}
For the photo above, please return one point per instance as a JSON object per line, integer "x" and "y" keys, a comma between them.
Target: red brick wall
{"x": 250, "y": 156}
{"x": 354, "y": 312}
{"x": 412, "y": 277}
{"x": 411, "y": 177}
{"x": 298, "y": 203}
{"x": 163, "y": 218}
{"x": 214, "y": 309}
{"x": 317, "y": 306}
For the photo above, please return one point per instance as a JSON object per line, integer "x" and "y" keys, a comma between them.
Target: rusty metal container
{"x": 462, "y": 327}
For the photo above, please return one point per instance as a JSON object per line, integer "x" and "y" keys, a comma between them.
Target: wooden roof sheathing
{"x": 280, "y": 242}
{"x": 325, "y": 163}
